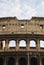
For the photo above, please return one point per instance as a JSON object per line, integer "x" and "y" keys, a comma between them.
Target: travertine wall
{"x": 11, "y": 25}
{"x": 13, "y": 29}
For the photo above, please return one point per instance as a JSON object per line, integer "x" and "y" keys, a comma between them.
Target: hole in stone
{"x": 41, "y": 26}
{"x": 22, "y": 25}
{"x": 3, "y": 26}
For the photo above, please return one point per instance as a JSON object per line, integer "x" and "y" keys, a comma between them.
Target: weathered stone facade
{"x": 21, "y": 30}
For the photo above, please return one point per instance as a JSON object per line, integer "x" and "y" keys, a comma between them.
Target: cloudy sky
{"x": 22, "y": 9}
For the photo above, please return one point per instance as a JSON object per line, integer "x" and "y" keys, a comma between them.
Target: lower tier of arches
{"x": 22, "y": 60}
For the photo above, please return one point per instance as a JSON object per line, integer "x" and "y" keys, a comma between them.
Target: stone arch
{"x": 22, "y": 61}
{"x": 42, "y": 61}
{"x": 11, "y": 61}
{"x": 1, "y": 61}
{"x": 22, "y": 43}
{"x": 12, "y": 43}
{"x": 32, "y": 43}
{"x": 33, "y": 61}
{"x": 41, "y": 43}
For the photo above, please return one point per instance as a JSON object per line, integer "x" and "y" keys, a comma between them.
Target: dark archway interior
{"x": 1, "y": 61}
{"x": 22, "y": 61}
{"x": 33, "y": 61}
{"x": 11, "y": 61}
{"x": 43, "y": 61}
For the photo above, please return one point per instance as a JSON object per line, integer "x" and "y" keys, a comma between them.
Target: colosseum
{"x": 21, "y": 41}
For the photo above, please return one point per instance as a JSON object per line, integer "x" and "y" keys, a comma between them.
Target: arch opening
{"x": 22, "y": 61}
{"x": 32, "y": 43}
{"x": 33, "y": 61}
{"x": 41, "y": 43}
{"x": 11, "y": 61}
{"x": 22, "y": 43}
{"x": 43, "y": 61}
{"x": 12, "y": 43}
{"x": 1, "y": 61}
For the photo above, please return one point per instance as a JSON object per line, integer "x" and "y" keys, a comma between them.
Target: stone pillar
{"x": 17, "y": 45}
{"x": 0, "y": 44}
{"x": 28, "y": 58}
{"x": 17, "y": 61}
{"x": 5, "y": 61}
{"x": 7, "y": 44}
{"x": 40, "y": 62}
{"x": 38, "y": 45}
{"x": 7, "y": 58}
{"x": 27, "y": 45}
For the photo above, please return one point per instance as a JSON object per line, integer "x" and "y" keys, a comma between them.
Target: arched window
{"x": 42, "y": 61}
{"x": 11, "y": 61}
{"x": 22, "y": 61}
{"x": 1, "y": 61}
{"x": 33, "y": 61}
{"x": 32, "y": 43}
{"x": 41, "y": 44}
{"x": 12, "y": 43}
{"x": 22, "y": 43}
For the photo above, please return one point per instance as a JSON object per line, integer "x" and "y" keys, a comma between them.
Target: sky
{"x": 22, "y": 9}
